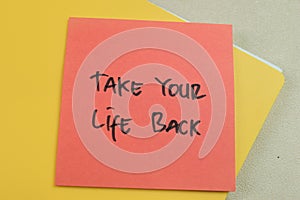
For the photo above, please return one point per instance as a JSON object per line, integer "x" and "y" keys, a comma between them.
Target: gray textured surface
{"x": 271, "y": 30}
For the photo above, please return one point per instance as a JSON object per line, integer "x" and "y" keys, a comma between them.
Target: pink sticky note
{"x": 147, "y": 105}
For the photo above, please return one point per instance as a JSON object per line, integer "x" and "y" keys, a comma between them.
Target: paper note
{"x": 147, "y": 104}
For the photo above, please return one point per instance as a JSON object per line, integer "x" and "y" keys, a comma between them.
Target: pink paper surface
{"x": 141, "y": 54}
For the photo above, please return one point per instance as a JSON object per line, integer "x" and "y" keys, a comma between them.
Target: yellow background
{"x": 32, "y": 39}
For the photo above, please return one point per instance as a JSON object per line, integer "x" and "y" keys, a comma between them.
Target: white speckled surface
{"x": 271, "y": 30}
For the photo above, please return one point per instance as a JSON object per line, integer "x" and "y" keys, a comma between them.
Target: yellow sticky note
{"x": 32, "y": 40}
